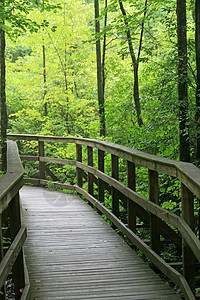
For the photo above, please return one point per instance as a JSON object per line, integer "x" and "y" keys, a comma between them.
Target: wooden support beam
{"x": 41, "y": 164}
{"x": 101, "y": 168}
{"x": 50, "y": 173}
{"x": 15, "y": 226}
{"x": 188, "y": 256}
{"x": 90, "y": 176}
{"x": 12, "y": 255}
{"x": 154, "y": 221}
{"x": 78, "y": 170}
{"x": 3, "y": 289}
{"x": 131, "y": 206}
{"x": 115, "y": 192}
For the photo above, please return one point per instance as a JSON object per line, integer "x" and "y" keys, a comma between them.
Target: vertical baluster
{"x": 188, "y": 256}
{"x": 41, "y": 164}
{"x": 154, "y": 221}
{"x": 115, "y": 193}
{"x": 15, "y": 225}
{"x": 90, "y": 176}
{"x": 78, "y": 170}
{"x": 131, "y": 206}
{"x": 3, "y": 290}
{"x": 100, "y": 182}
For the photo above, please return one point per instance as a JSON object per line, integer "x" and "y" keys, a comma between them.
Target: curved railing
{"x": 12, "y": 259}
{"x": 161, "y": 220}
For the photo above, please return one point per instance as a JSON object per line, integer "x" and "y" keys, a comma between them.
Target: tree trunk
{"x": 184, "y": 147}
{"x": 3, "y": 103}
{"x": 197, "y": 47}
{"x": 135, "y": 62}
{"x": 99, "y": 72}
{"x": 65, "y": 75}
{"x": 45, "y": 80}
{"x": 104, "y": 50}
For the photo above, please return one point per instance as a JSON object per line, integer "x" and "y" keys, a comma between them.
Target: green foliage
{"x": 15, "y": 15}
{"x": 70, "y": 91}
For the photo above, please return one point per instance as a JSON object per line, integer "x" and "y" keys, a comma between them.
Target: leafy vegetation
{"x": 70, "y": 91}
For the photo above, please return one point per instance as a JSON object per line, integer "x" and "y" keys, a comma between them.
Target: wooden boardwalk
{"x": 72, "y": 253}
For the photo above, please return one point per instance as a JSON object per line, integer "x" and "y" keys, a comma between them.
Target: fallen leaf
{"x": 21, "y": 290}
{"x": 50, "y": 250}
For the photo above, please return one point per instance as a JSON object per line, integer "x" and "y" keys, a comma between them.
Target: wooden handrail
{"x": 159, "y": 218}
{"x": 10, "y": 184}
{"x": 187, "y": 173}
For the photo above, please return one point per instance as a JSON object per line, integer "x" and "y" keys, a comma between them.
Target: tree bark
{"x": 99, "y": 72}
{"x": 44, "y": 80}
{"x": 197, "y": 48}
{"x": 135, "y": 61}
{"x": 4, "y": 120}
{"x": 65, "y": 75}
{"x": 104, "y": 50}
{"x": 184, "y": 147}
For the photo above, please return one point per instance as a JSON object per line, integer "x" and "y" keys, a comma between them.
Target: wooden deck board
{"x": 72, "y": 253}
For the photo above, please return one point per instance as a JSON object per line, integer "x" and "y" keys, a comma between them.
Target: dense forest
{"x": 120, "y": 70}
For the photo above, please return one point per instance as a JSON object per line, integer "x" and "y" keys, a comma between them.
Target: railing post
{"x": 100, "y": 182}
{"x": 90, "y": 176}
{"x": 3, "y": 290}
{"x": 15, "y": 225}
{"x": 41, "y": 164}
{"x": 78, "y": 170}
{"x": 154, "y": 221}
{"x": 131, "y": 206}
{"x": 114, "y": 192}
{"x": 188, "y": 256}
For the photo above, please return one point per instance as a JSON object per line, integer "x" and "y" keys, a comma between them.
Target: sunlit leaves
{"x": 16, "y": 15}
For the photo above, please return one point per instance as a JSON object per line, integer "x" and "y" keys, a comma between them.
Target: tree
{"x": 44, "y": 80}
{"x": 184, "y": 147}
{"x": 135, "y": 60}
{"x": 197, "y": 47}
{"x": 100, "y": 85}
{"x": 4, "y": 119}
{"x": 104, "y": 49}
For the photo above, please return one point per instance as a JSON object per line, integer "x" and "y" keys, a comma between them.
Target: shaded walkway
{"x": 72, "y": 253}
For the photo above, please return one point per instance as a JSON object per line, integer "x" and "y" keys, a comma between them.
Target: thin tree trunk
{"x": 4, "y": 120}
{"x": 184, "y": 147}
{"x": 197, "y": 47}
{"x": 65, "y": 75}
{"x": 135, "y": 61}
{"x": 99, "y": 72}
{"x": 104, "y": 50}
{"x": 44, "y": 76}
{"x": 44, "y": 80}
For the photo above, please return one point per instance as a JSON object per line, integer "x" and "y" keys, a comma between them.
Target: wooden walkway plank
{"x": 72, "y": 253}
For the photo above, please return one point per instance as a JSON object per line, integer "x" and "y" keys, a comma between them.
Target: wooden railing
{"x": 162, "y": 222}
{"x": 12, "y": 259}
